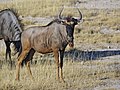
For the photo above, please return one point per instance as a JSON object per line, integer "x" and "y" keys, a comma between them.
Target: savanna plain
{"x": 93, "y": 63}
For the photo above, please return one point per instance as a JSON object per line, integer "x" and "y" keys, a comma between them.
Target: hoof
{"x": 63, "y": 81}
{"x": 17, "y": 79}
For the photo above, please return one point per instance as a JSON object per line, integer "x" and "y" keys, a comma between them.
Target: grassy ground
{"x": 89, "y": 31}
{"x": 95, "y": 21}
{"x": 36, "y": 7}
{"x": 90, "y": 75}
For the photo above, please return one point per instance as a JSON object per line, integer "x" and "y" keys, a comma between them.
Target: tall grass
{"x": 89, "y": 30}
{"x": 36, "y": 7}
{"x": 77, "y": 76}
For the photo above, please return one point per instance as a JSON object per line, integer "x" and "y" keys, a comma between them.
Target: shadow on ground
{"x": 90, "y": 55}
{"x": 75, "y": 55}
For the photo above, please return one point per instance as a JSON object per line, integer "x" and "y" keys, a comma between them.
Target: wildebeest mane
{"x": 12, "y": 10}
{"x": 53, "y": 21}
{"x": 50, "y": 23}
{"x": 15, "y": 13}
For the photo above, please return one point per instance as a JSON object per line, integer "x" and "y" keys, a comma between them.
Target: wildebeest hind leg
{"x": 8, "y": 52}
{"x": 28, "y": 58}
{"x": 20, "y": 59}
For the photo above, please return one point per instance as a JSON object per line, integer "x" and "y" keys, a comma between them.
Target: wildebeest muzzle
{"x": 70, "y": 41}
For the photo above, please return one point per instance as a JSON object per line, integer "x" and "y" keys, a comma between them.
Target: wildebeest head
{"x": 70, "y": 23}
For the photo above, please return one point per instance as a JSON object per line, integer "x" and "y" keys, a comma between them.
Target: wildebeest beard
{"x": 70, "y": 31}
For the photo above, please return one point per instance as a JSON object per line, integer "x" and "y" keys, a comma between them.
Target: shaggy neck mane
{"x": 15, "y": 14}
{"x": 54, "y": 21}
{"x": 11, "y": 10}
{"x": 5, "y": 10}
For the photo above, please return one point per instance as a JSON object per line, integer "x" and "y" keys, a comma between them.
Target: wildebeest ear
{"x": 80, "y": 21}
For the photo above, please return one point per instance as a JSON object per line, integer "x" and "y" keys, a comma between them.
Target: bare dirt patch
{"x": 100, "y": 4}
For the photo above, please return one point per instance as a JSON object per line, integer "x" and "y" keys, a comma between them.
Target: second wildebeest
{"x": 53, "y": 37}
{"x": 10, "y": 31}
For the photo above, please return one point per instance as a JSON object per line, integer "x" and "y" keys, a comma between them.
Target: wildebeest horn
{"x": 80, "y": 15}
{"x": 59, "y": 16}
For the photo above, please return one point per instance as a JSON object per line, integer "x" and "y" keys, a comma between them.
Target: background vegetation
{"x": 89, "y": 31}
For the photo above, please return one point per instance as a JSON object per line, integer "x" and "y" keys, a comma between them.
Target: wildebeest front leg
{"x": 8, "y": 52}
{"x": 56, "y": 55}
{"x": 20, "y": 59}
{"x": 61, "y": 63}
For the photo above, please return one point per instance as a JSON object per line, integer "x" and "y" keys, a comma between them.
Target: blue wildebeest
{"x": 53, "y": 37}
{"x": 10, "y": 30}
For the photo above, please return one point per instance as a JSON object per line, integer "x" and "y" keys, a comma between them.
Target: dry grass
{"x": 96, "y": 20}
{"x": 88, "y": 31}
{"x": 36, "y": 7}
{"x": 77, "y": 76}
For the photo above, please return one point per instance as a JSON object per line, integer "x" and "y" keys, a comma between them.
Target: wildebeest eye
{"x": 69, "y": 23}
